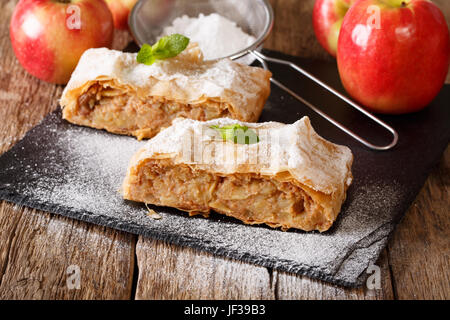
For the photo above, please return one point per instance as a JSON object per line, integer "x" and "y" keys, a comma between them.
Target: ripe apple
{"x": 327, "y": 20}
{"x": 120, "y": 10}
{"x": 393, "y": 55}
{"x": 49, "y": 36}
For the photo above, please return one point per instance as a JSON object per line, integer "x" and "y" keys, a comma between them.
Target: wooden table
{"x": 36, "y": 248}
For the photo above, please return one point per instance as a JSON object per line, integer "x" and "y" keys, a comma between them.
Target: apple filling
{"x": 249, "y": 197}
{"x": 117, "y": 111}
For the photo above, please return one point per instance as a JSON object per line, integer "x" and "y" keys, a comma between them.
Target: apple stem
{"x": 403, "y": 4}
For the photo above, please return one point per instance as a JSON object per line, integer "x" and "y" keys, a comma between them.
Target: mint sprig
{"x": 166, "y": 47}
{"x": 237, "y": 134}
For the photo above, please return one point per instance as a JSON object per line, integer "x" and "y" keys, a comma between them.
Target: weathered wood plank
{"x": 36, "y": 248}
{"x": 419, "y": 248}
{"x": 172, "y": 272}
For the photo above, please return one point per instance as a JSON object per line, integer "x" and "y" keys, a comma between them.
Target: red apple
{"x": 120, "y": 10}
{"x": 327, "y": 20}
{"x": 393, "y": 55}
{"x": 49, "y": 36}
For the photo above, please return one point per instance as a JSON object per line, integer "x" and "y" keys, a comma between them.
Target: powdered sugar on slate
{"x": 78, "y": 172}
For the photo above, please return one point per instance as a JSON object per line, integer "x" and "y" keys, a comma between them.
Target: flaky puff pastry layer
{"x": 136, "y": 99}
{"x": 290, "y": 178}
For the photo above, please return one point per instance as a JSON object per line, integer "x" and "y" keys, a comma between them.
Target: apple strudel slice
{"x": 110, "y": 90}
{"x": 282, "y": 175}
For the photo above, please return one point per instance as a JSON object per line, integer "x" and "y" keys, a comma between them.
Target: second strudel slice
{"x": 110, "y": 90}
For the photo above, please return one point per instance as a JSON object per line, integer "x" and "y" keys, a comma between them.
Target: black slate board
{"x": 77, "y": 172}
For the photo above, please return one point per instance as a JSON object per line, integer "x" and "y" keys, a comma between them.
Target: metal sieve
{"x": 149, "y": 17}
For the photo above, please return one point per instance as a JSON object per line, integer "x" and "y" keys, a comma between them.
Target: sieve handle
{"x": 263, "y": 58}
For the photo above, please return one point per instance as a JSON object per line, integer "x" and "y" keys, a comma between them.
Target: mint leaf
{"x": 237, "y": 134}
{"x": 166, "y": 47}
{"x": 170, "y": 46}
{"x": 145, "y": 55}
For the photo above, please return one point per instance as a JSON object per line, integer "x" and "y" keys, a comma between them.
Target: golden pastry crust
{"x": 110, "y": 90}
{"x": 291, "y": 178}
